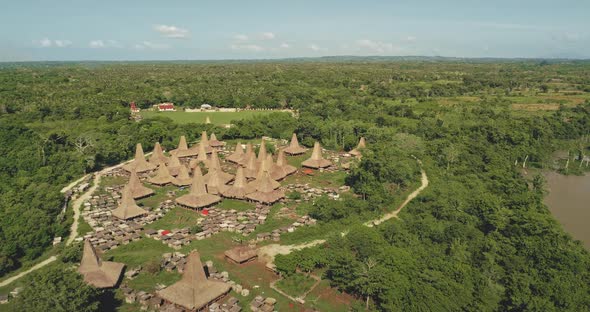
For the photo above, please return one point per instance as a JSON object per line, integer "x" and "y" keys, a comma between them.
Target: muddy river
{"x": 569, "y": 202}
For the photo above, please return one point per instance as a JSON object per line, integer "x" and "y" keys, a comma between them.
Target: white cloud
{"x": 241, "y": 37}
{"x": 45, "y": 42}
{"x": 247, "y": 47}
{"x": 376, "y": 46}
{"x": 104, "y": 44}
{"x": 284, "y": 45}
{"x": 315, "y": 47}
{"x": 410, "y": 38}
{"x": 170, "y": 31}
{"x": 96, "y": 44}
{"x": 151, "y": 45}
{"x": 267, "y": 36}
{"x": 62, "y": 43}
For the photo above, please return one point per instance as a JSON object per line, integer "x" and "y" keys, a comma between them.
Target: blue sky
{"x": 250, "y": 29}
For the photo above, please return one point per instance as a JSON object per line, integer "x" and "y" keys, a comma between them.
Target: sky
{"x": 63, "y": 30}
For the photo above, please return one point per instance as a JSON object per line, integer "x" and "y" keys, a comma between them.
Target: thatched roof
{"x": 359, "y": 147}
{"x": 294, "y": 147}
{"x": 213, "y": 142}
{"x": 262, "y": 152}
{"x": 316, "y": 160}
{"x": 198, "y": 197}
{"x": 203, "y": 147}
{"x": 128, "y": 209}
{"x": 182, "y": 179}
{"x": 183, "y": 150}
{"x": 137, "y": 188}
{"x": 237, "y": 155}
{"x": 139, "y": 163}
{"x": 214, "y": 182}
{"x": 241, "y": 254}
{"x": 162, "y": 177}
{"x": 98, "y": 273}
{"x": 240, "y": 188}
{"x": 249, "y": 151}
{"x": 194, "y": 291}
{"x": 251, "y": 166}
{"x": 158, "y": 155}
{"x": 214, "y": 164}
{"x": 174, "y": 165}
{"x": 281, "y": 169}
{"x": 266, "y": 189}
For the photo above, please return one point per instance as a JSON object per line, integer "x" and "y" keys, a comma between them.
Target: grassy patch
{"x": 83, "y": 227}
{"x": 112, "y": 181}
{"x": 216, "y": 118}
{"x": 176, "y": 218}
{"x": 325, "y": 298}
{"x": 146, "y": 281}
{"x": 296, "y": 285}
{"x": 272, "y": 221}
{"x": 139, "y": 252}
{"x": 158, "y": 197}
{"x": 238, "y": 205}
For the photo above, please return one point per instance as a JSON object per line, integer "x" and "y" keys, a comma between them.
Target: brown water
{"x": 569, "y": 202}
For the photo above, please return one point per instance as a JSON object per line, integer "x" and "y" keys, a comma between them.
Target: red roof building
{"x": 166, "y": 107}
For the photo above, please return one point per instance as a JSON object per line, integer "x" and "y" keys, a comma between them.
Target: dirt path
{"x": 410, "y": 197}
{"x": 34, "y": 268}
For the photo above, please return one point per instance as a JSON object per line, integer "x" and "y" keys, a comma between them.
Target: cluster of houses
{"x": 262, "y": 304}
{"x": 117, "y": 219}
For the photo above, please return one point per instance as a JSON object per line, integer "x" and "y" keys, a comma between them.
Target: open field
{"x": 216, "y": 118}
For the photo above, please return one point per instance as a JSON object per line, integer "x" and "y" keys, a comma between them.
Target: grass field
{"x": 216, "y": 118}
{"x": 296, "y": 285}
{"x": 176, "y": 218}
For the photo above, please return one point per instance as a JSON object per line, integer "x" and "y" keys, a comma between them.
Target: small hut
{"x": 198, "y": 196}
{"x": 266, "y": 191}
{"x": 182, "y": 179}
{"x": 214, "y": 182}
{"x": 139, "y": 164}
{"x": 316, "y": 160}
{"x": 357, "y": 151}
{"x": 174, "y": 165}
{"x": 213, "y": 142}
{"x": 215, "y": 165}
{"x": 237, "y": 155}
{"x": 241, "y": 254}
{"x": 158, "y": 155}
{"x": 194, "y": 292}
{"x": 128, "y": 209}
{"x": 294, "y": 147}
{"x": 240, "y": 188}
{"x": 281, "y": 169}
{"x": 138, "y": 190}
{"x": 182, "y": 150}
{"x": 162, "y": 177}
{"x": 98, "y": 273}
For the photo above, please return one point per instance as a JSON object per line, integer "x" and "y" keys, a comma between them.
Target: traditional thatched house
{"x": 262, "y": 152}
{"x": 237, "y": 155}
{"x": 215, "y": 165}
{"x": 316, "y": 160}
{"x": 241, "y": 254}
{"x": 158, "y": 155}
{"x": 201, "y": 156}
{"x": 214, "y": 182}
{"x": 357, "y": 151}
{"x": 281, "y": 169}
{"x": 266, "y": 191}
{"x": 98, "y": 273}
{"x": 182, "y": 179}
{"x": 127, "y": 209}
{"x": 198, "y": 196}
{"x": 139, "y": 164}
{"x": 213, "y": 142}
{"x": 264, "y": 168}
{"x": 194, "y": 292}
{"x": 163, "y": 176}
{"x": 294, "y": 147}
{"x": 137, "y": 188}
{"x": 251, "y": 166}
{"x": 240, "y": 188}
{"x": 182, "y": 150}
{"x": 174, "y": 165}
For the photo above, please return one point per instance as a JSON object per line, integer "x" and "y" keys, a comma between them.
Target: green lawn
{"x": 139, "y": 252}
{"x": 217, "y": 118}
{"x": 159, "y": 195}
{"x": 83, "y": 227}
{"x": 239, "y": 205}
{"x": 146, "y": 281}
{"x": 296, "y": 285}
{"x": 176, "y": 218}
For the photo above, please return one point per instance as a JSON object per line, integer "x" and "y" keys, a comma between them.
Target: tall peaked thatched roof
{"x": 183, "y": 150}
{"x": 241, "y": 254}
{"x": 174, "y": 165}
{"x": 215, "y": 164}
{"x": 213, "y": 142}
{"x": 214, "y": 182}
{"x": 316, "y": 160}
{"x": 137, "y": 188}
{"x": 240, "y": 188}
{"x": 182, "y": 179}
{"x": 194, "y": 291}
{"x": 237, "y": 155}
{"x": 139, "y": 164}
{"x": 266, "y": 191}
{"x": 98, "y": 273}
{"x": 198, "y": 196}
{"x": 202, "y": 156}
{"x": 158, "y": 155}
{"x": 162, "y": 177}
{"x": 294, "y": 147}
{"x": 359, "y": 147}
{"x": 249, "y": 151}
{"x": 251, "y": 166}
{"x": 128, "y": 209}
{"x": 281, "y": 169}
{"x": 262, "y": 152}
